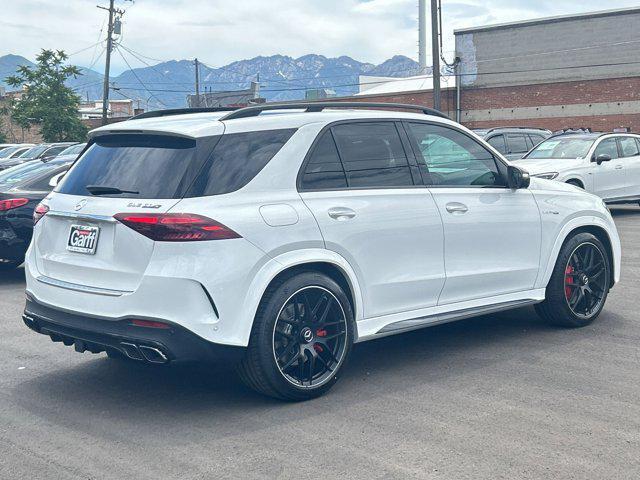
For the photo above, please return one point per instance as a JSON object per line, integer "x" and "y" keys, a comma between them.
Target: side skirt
{"x": 370, "y": 329}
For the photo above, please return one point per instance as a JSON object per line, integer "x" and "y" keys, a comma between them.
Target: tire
{"x": 567, "y": 284}
{"x": 301, "y": 338}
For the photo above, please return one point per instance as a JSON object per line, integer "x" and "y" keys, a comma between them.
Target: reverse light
{"x": 40, "y": 211}
{"x": 176, "y": 227}
{"x": 547, "y": 175}
{"x": 12, "y": 203}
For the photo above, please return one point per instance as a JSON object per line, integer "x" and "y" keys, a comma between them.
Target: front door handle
{"x": 457, "y": 208}
{"x": 619, "y": 167}
{"x": 341, "y": 213}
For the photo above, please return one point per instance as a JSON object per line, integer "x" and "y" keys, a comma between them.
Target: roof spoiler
{"x": 182, "y": 111}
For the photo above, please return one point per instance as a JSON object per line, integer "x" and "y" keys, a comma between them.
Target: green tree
{"x": 47, "y": 101}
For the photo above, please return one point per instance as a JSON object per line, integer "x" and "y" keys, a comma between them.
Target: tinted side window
{"x": 517, "y": 143}
{"x": 41, "y": 184}
{"x": 237, "y": 159}
{"x": 629, "y": 147}
{"x": 54, "y": 151}
{"x": 454, "y": 159}
{"x": 372, "y": 155}
{"x": 609, "y": 147}
{"x": 536, "y": 139}
{"x": 324, "y": 169}
{"x": 497, "y": 142}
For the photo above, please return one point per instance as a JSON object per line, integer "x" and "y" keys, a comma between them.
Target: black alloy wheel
{"x": 586, "y": 280}
{"x": 310, "y": 337}
{"x": 579, "y": 284}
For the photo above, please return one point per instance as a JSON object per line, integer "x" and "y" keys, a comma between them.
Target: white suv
{"x": 279, "y": 235}
{"x": 606, "y": 164}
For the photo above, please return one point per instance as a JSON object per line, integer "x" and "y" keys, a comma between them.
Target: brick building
{"x": 559, "y": 72}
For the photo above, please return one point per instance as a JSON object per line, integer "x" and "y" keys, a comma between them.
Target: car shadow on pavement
{"x": 12, "y": 277}
{"x": 134, "y": 392}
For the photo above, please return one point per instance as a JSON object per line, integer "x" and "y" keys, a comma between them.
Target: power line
{"x": 84, "y": 49}
{"x": 138, "y": 78}
{"x": 151, "y": 66}
{"x": 505, "y": 72}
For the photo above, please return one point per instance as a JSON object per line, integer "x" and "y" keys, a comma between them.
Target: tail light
{"x": 12, "y": 203}
{"x": 40, "y": 211}
{"x": 176, "y": 227}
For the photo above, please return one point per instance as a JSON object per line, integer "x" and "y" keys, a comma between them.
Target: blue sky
{"x": 221, "y": 31}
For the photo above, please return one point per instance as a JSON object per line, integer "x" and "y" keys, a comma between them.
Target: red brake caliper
{"x": 319, "y": 333}
{"x": 568, "y": 278}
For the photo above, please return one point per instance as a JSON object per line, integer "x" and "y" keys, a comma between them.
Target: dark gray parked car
{"x": 513, "y": 142}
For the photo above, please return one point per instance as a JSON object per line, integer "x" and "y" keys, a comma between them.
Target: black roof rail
{"x": 493, "y": 129}
{"x": 254, "y": 111}
{"x": 576, "y": 131}
{"x": 182, "y": 111}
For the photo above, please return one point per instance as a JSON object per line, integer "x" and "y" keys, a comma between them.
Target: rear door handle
{"x": 341, "y": 213}
{"x": 457, "y": 208}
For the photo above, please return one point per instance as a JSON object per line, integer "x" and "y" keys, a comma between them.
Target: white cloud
{"x": 221, "y": 31}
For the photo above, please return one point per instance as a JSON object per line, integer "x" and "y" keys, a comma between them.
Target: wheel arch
{"x": 324, "y": 261}
{"x": 595, "y": 226}
{"x": 602, "y": 235}
{"x": 575, "y": 181}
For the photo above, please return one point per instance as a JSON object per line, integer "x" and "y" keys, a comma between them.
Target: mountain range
{"x": 166, "y": 84}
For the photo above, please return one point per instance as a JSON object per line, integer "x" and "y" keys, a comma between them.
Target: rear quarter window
{"x": 237, "y": 159}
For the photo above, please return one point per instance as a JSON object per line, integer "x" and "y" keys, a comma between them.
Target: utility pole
{"x": 422, "y": 36}
{"x": 105, "y": 89}
{"x": 197, "y": 64}
{"x": 435, "y": 50}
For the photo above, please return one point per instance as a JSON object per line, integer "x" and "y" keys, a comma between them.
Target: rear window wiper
{"x": 102, "y": 190}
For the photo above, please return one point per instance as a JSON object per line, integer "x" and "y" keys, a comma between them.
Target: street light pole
{"x": 197, "y": 65}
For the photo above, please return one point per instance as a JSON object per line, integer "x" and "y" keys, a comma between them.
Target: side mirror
{"x": 603, "y": 157}
{"x": 518, "y": 178}
{"x": 55, "y": 180}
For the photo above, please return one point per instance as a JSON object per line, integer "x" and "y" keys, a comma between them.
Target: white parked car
{"x": 606, "y": 164}
{"x": 279, "y": 235}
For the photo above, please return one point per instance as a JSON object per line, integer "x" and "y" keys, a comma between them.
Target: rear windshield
{"x": 163, "y": 167}
{"x": 73, "y": 150}
{"x": 34, "y": 152}
{"x": 144, "y": 166}
{"x": 7, "y": 152}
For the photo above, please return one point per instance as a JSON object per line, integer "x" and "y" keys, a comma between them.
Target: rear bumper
{"x": 150, "y": 345}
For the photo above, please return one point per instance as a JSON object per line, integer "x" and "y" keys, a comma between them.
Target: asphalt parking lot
{"x": 499, "y": 397}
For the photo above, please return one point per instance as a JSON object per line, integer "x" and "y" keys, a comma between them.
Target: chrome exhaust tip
{"x": 153, "y": 355}
{"x": 132, "y": 351}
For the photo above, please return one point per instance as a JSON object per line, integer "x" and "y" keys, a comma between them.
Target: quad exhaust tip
{"x": 144, "y": 353}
